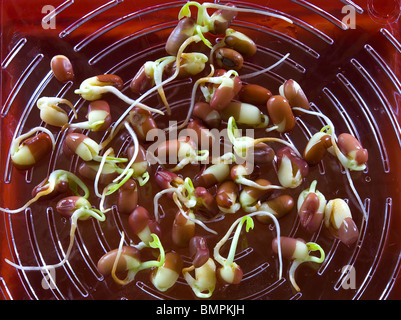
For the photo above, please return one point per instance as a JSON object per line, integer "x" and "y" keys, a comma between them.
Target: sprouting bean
{"x": 308, "y": 213}
{"x": 31, "y": 150}
{"x": 191, "y": 64}
{"x": 181, "y": 151}
{"x": 299, "y": 252}
{"x": 212, "y": 175}
{"x": 67, "y": 206}
{"x": 280, "y": 113}
{"x": 167, "y": 179}
{"x": 338, "y": 220}
{"x": 278, "y": 206}
{"x": 101, "y": 83}
{"x": 62, "y": 68}
{"x": 227, "y": 197}
{"x": 143, "y": 79}
{"x": 206, "y": 203}
{"x": 98, "y": 115}
{"x": 311, "y": 205}
{"x": 261, "y": 153}
{"x": 129, "y": 257}
{"x": 254, "y": 94}
{"x": 228, "y": 59}
{"x": 183, "y": 229}
{"x": 129, "y": 260}
{"x": 209, "y": 116}
{"x": 225, "y": 92}
{"x": 142, "y": 224}
{"x": 184, "y": 29}
{"x": 51, "y": 113}
{"x": 245, "y": 113}
{"x": 59, "y": 187}
{"x": 164, "y": 277}
{"x": 127, "y": 199}
{"x": 89, "y": 170}
{"x": 317, "y": 147}
{"x": 204, "y": 282}
{"x": 250, "y": 197}
{"x": 142, "y": 122}
{"x": 352, "y": 149}
{"x": 141, "y": 164}
{"x": 83, "y": 146}
{"x": 292, "y": 91}
{"x": 198, "y": 251}
{"x": 291, "y": 168}
{"x": 222, "y": 18}
{"x": 240, "y": 42}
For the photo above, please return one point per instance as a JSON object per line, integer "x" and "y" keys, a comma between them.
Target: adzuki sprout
{"x": 203, "y": 192}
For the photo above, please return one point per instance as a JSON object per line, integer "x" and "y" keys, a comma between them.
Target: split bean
{"x": 291, "y": 168}
{"x": 338, "y": 220}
